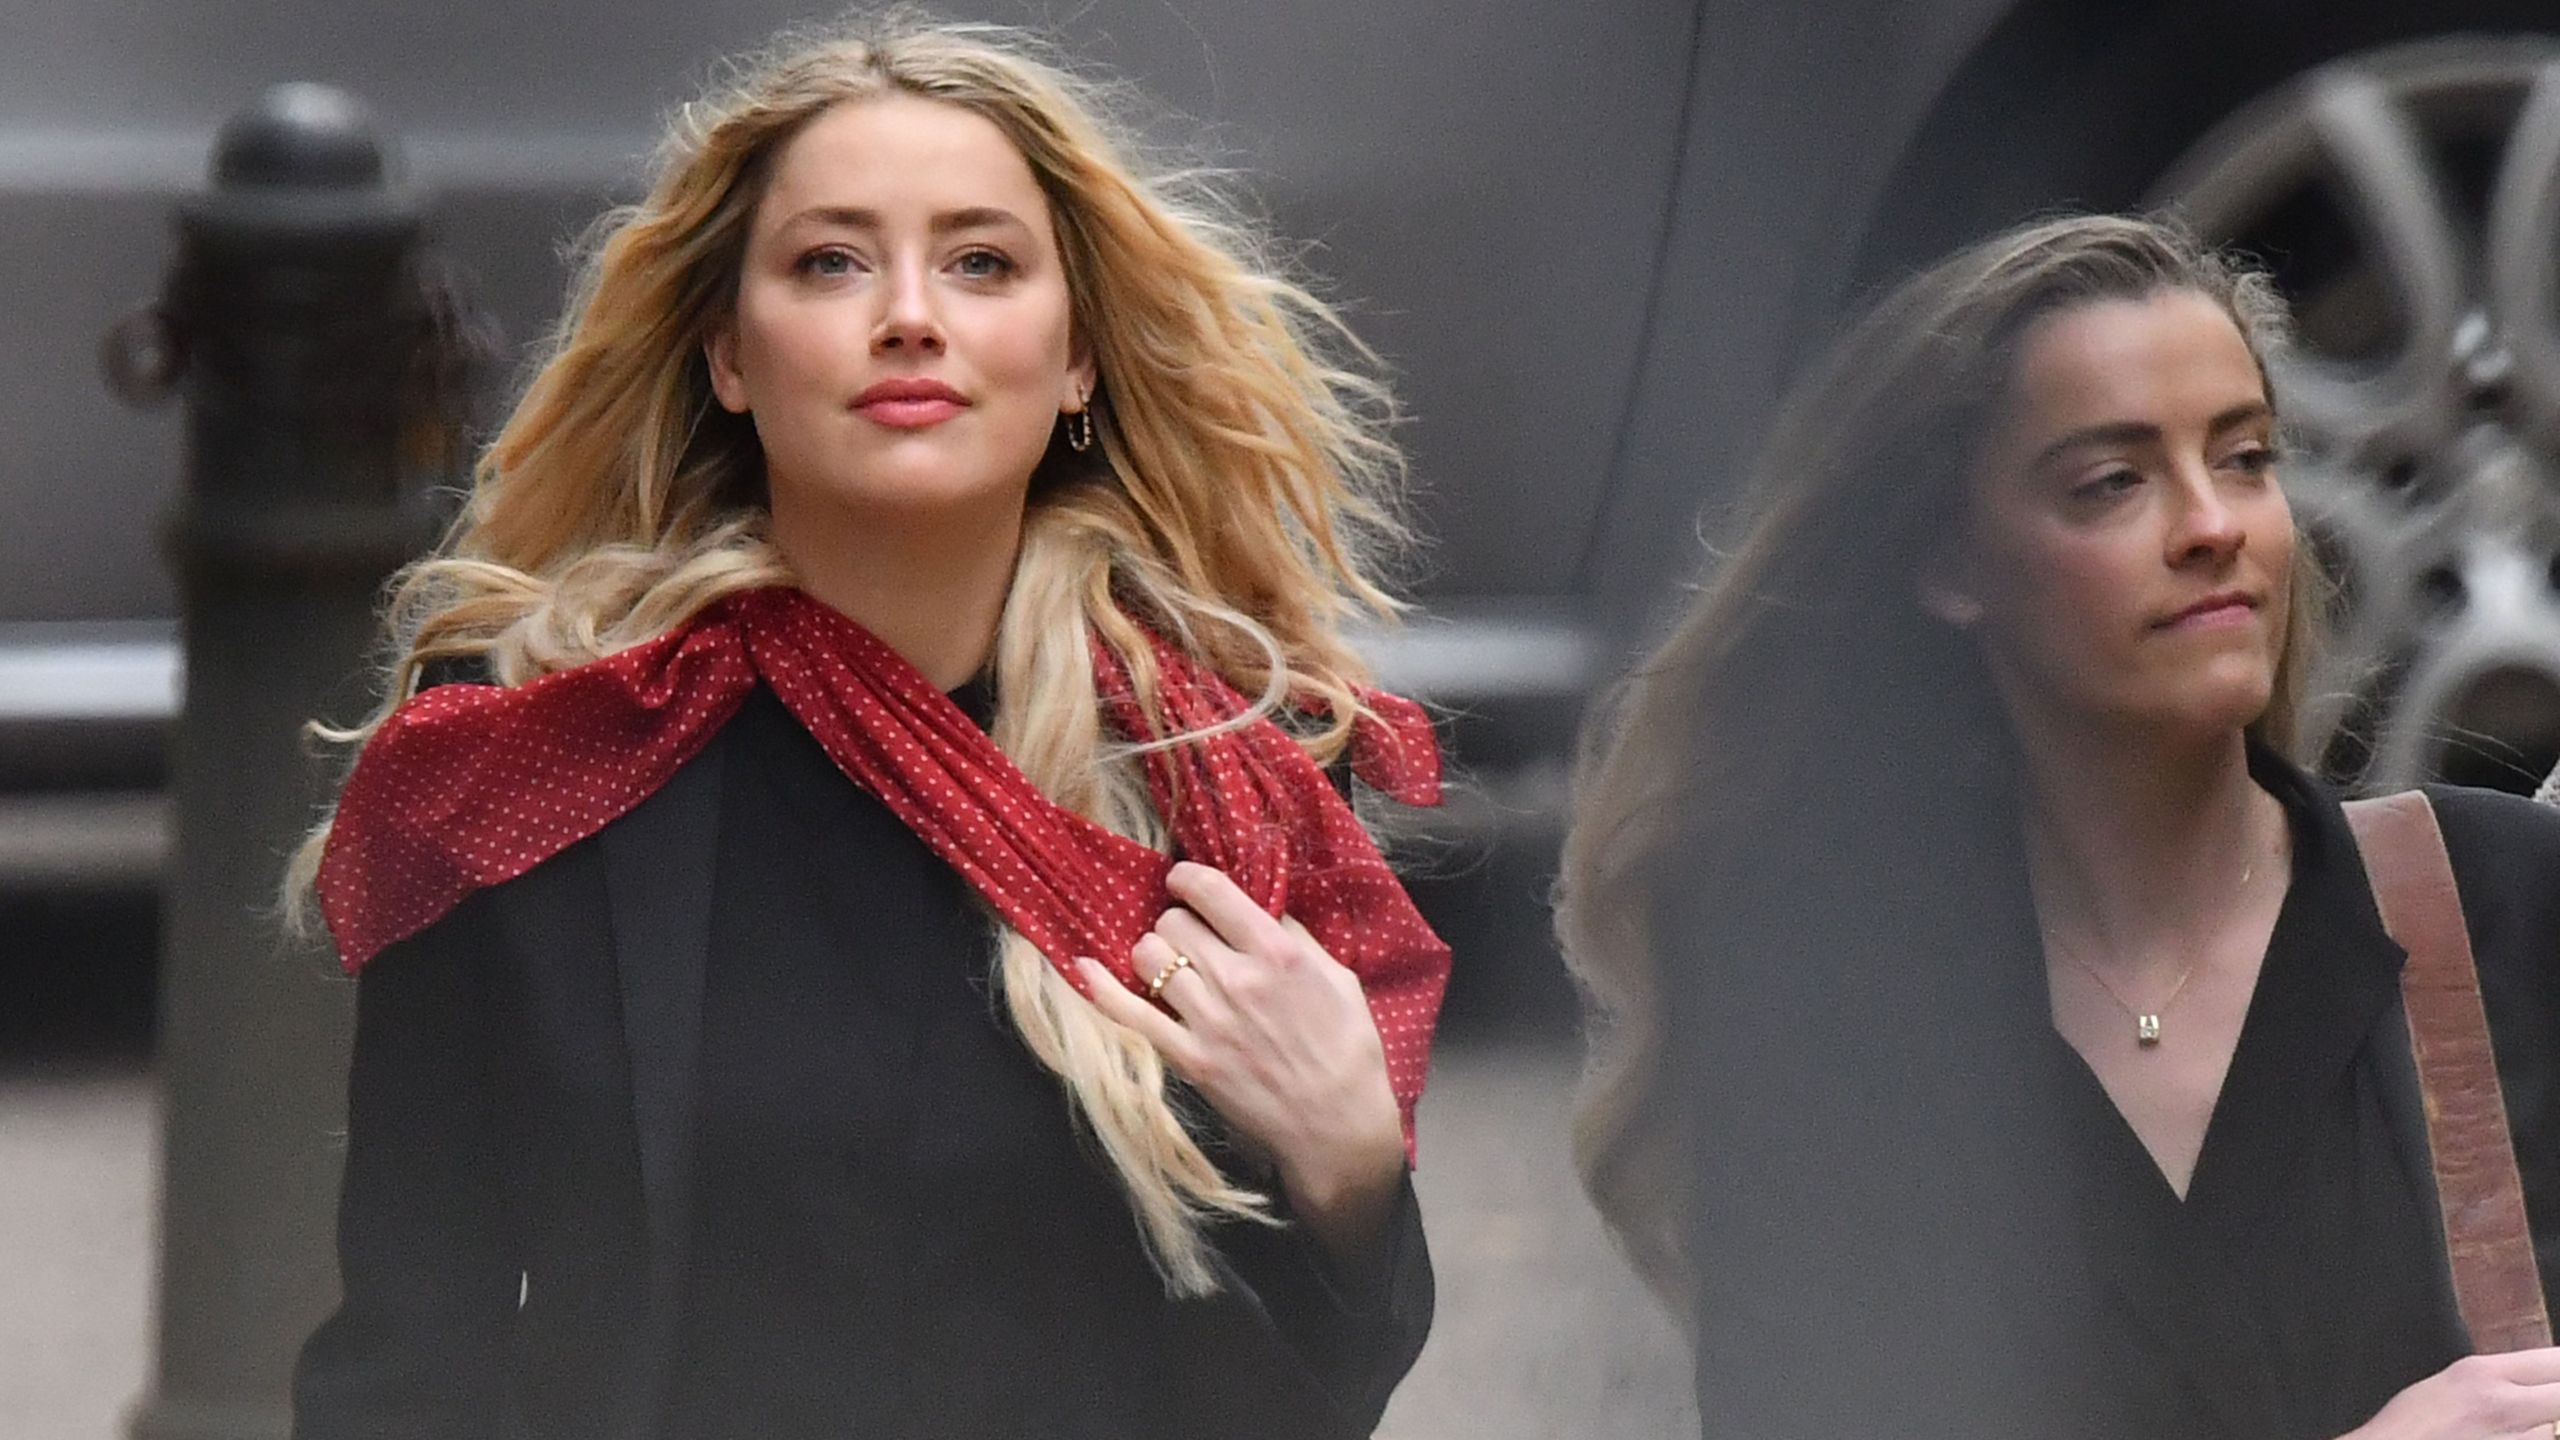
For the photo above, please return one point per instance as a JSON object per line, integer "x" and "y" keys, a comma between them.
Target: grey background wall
{"x": 1485, "y": 185}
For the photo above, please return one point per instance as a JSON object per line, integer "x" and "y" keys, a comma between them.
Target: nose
{"x": 2205, "y": 528}
{"x": 908, "y": 320}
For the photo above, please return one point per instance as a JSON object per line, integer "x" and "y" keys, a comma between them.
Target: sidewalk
{"x": 79, "y": 1157}
{"x": 1541, "y": 1333}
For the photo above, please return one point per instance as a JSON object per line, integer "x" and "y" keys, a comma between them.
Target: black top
{"x": 896, "y": 1227}
{"x": 1935, "y": 1223}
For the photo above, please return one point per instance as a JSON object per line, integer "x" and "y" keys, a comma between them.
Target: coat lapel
{"x": 2331, "y": 976}
{"x": 658, "y": 879}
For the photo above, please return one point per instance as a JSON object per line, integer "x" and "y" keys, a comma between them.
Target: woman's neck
{"x": 2142, "y": 843}
{"x": 931, "y": 588}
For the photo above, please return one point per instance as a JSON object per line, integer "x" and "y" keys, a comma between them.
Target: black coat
{"x": 522, "y": 1230}
{"x": 1920, "y": 1215}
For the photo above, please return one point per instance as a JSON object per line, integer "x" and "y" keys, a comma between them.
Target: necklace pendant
{"x": 2146, "y": 1030}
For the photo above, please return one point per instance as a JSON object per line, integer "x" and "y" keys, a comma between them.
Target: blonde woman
{"x": 781, "y": 1012}
{"x": 2006, "y": 1042}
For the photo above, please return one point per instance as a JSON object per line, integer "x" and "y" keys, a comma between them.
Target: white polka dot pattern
{"x": 469, "y": 785}
{"x": 1250, "y": 802}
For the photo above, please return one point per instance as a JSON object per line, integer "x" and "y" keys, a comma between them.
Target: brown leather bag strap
{"x": 2486, "y": 1236}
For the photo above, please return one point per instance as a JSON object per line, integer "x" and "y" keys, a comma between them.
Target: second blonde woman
{"x": 2012, "y": 1037}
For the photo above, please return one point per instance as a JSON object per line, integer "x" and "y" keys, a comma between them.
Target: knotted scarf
{"x": 465, "y": 786}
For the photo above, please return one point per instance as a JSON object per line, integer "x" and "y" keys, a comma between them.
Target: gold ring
{"x": 1181, "y": 962}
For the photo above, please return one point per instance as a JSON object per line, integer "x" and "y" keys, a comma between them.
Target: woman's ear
{"x": 720, "y": 355}
{"x": 1080, "y": 377}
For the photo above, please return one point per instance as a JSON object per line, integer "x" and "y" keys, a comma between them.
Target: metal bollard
{"x": 298, "y": 327}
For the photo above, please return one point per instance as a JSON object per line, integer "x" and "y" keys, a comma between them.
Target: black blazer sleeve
{"x": 2506, "y": 863}
{"x": 418, "y": 1346}
{"x": 1357, "y": 1331}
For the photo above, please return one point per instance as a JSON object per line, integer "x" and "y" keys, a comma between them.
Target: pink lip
{"x": 2214, "y": 612}
{"x": 910, "y": 403}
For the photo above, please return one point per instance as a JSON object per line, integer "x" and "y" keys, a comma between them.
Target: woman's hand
{"x": 2480, "y": 1397}
{"x": 1275, "y": 1034}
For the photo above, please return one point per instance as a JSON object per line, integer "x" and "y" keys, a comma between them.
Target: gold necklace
{"x": 2146, "y": 1023}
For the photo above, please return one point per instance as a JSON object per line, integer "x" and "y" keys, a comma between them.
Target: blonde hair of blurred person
{"x": 1239, "y": 485}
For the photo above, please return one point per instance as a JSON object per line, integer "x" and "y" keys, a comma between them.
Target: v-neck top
{"x": 2304, "y": 1251}
{"x": 1952, "y": 1230}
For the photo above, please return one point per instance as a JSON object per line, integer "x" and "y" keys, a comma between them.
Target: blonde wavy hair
{"x": 1717, "y": 766}
{"x": 1243, "y": 488}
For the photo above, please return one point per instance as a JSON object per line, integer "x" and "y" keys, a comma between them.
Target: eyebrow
{"x": 2142, "y": 432}
{"x": 851, "y": 217}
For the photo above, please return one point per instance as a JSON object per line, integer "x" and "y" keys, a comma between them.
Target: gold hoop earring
{"x": 1080, "y": 430}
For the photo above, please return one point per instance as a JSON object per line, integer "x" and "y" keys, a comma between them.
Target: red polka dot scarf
{"x": 468, "y": 785}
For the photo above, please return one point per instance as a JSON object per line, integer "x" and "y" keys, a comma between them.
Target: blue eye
{"x": 983, "y": 265}
{"x": 827, "y": 262}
